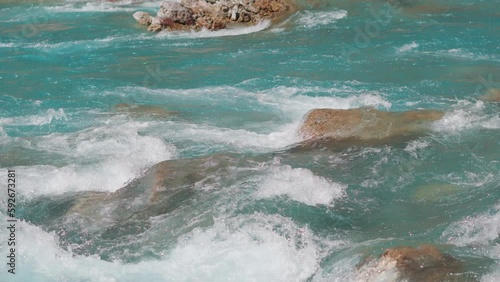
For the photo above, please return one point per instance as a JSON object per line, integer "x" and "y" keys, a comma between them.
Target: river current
{"x": 90, "y": 102}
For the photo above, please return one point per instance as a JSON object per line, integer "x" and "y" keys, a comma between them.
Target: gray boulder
{"x": 143, "y": 18}
{"x": 174, "y": 12}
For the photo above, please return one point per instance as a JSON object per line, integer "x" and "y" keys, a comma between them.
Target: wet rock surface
{"x": 492, "y": 95}
{"x": 423, "y": 263}
{"x": 365, "y": 124}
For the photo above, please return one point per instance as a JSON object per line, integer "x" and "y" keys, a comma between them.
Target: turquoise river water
{"x": 227, "y": 106}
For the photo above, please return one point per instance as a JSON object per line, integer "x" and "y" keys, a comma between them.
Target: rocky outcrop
{"x": 425, "y": 263}
{"x": 365, "y": 124}
{"x": 212, "y": 14}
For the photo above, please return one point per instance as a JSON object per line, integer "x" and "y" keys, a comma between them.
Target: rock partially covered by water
{"x": 212, "y": 14}
{"x": 425, "y": 263}
{"x": 492, "y": 95}
{"x": 434, "y": 192}
{"x": 174, "y": 192}
{"x": 160, "y": 190}
{"x": 142, "y": 110}
{"x": 367, "y": 125}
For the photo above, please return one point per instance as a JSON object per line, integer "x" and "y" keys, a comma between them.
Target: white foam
{"x": 416, "y": 145}
{"x": 494, "y": 276}
{"x": 494, "y": 253}
{"x": 43, "y": 119}
{"x": 459, "y": 53}
{"x": 102, "y": 159}
{"x": 287, "y": 102}
{"x": 204, "y": 33}
{"x": 239, "y": 138}
{"x": 78, "y": 45}
{"x": 293, "y": 100}
{"x": 303, "y": 104}
{"x": 312, "y": 19}
{"x": 475, "y": 230}
{"x": 6, "y": 45}
{"x": 277, "y": 30}
{"x": 156, "y": 4}
{"x": 301, "y": 185}
{"x": 379, "y": 270}
{"x": 343, "y": 270}
{"x": 492, "y": 122}
{"x": 478, "y": 231}
{"x": 467, "y": 115}
{"x": 91, "y": 44}
{"x": 407, "y": 47}
{"x": 93, "y": 7}
{"x": 246, "y": 248}
{"x": 57, "y": 264}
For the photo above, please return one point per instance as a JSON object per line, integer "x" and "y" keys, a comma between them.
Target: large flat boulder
{"x": 365, "y": 124}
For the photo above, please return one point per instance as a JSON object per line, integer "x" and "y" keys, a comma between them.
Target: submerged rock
{"x": 425, "y": 263}
{"x": 367, "y": 125}
{"x": 143, "y": 110}
{"x": 492, "y": 95}
{"x": 434, "y": 192}
{"x": 212, "y": 14}
{"x": 160, "y": 190}
{"x": 168, "y": 200}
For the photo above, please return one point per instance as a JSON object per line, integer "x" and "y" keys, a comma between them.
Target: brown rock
{"x": 425, "y": 263}
{"x": 202, "y": 22}
{"x": 270, "y": 7}
{"x": 216, "y": 25}
{"x": 365, "y": 124}
{"x": 155, "y": 27}
{"x": 492, "y": 95}
{"x": 245, "y": 17}
{"x": 409, "y": 259}
{"x": 143, "y": 110}
{"x": 175, "y": 12}
{"x": 186, "y": 172}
